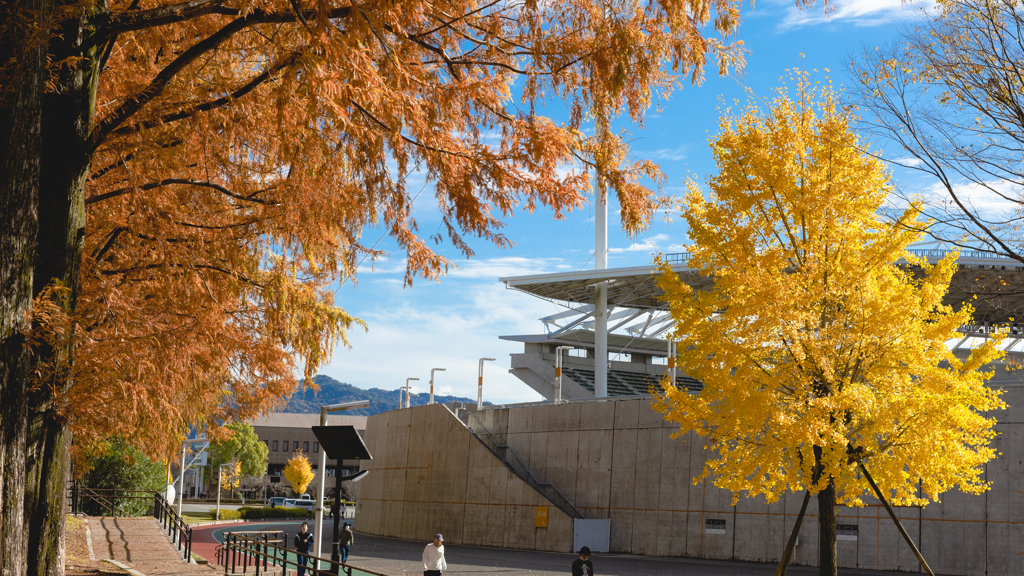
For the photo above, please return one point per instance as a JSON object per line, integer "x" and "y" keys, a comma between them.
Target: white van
{"x": 305, "y": 504}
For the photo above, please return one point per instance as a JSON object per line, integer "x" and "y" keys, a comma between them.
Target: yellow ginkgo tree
{"x": 299, "y": 472}
{"x": 822, "y": 344}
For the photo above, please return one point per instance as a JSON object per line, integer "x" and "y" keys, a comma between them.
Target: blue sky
{"x": 451, "y": 323}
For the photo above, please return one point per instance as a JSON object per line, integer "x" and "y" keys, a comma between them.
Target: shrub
{"x": 252, "y": 513}
{"x": 226, "y": 514}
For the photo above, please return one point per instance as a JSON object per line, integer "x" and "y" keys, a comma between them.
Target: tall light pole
{"x": 432, "y": 370}
{"x": 407, "y": 391}
{"x": 558, "y": 372}
{"x": 480, "y": 384}
{"x": 181, "y": 480}
{"x": 323, "y": 470}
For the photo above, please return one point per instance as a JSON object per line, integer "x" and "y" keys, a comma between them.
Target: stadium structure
{"x": 594, "y": 464}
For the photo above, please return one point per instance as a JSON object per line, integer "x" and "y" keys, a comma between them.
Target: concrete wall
{"x": 617, "y": 460}
{"x": 429, "y": 474}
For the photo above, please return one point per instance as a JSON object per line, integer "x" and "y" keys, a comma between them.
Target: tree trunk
{"x": 21, "y": 96}
{"x": 66, "y": 128}
{"x": 827, "y": 562}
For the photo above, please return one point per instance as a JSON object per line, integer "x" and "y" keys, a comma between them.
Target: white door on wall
{"x": 594, "y": 534}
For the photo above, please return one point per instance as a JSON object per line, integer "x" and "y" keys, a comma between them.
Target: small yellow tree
{"x": 231, "y": 476}
{"x": 299, "y": 473}
{"x": 821, "y": 357}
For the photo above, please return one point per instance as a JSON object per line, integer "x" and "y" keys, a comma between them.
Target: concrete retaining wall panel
{"x": 806, "y": 553}
{"x": 565, "y": 418}
{"x": 538, "y": 418}
{"x": 1005, "y": 543}
{"x": 627, "y": 414}
{"x": 645, "y": 532}
{"x": 753, "y": 522}
{"x": 597, "y": 415}
{"x": 617, "y": 460}
{"x": 621, "y": 531}
{"x": 647, "y": 417}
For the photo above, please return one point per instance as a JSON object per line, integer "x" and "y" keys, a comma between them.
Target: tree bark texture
{"x": 827, "y": 561}
{"x": 66, "y": 127}
{"x": 21, "y": 95}
{"x": 44, "y": 162}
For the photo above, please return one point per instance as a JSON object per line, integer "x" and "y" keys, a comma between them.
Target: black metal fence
{"x": 109, "y": 501}
{"x": 177, "y": 529}
{"x": 266, "y": 554}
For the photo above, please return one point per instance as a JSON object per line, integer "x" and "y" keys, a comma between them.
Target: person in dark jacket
{"x": 582, "y": 566}
{"x": 303, "y": 542}
{"x": 346, "y": 539}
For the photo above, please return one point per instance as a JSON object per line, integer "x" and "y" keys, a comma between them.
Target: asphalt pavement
{"x": 396, "y": 557}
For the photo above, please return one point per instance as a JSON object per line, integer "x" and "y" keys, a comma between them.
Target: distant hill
{"x": 334, "y": 392}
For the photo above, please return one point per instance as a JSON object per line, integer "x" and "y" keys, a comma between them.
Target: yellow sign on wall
{"x": 542, "y": 517}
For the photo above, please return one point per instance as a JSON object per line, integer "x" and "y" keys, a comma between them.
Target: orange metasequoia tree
{"x": 181, "y": 183}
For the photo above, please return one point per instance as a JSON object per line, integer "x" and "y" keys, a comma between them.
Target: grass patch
{"x": 191, "y": 517}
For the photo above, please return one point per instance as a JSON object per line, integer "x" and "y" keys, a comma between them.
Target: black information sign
{"x": 714, "y": 526}
{"x": 846, "y": 532}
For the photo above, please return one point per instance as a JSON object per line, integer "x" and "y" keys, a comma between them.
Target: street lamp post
{"x": 480, "y": 384}
{"x": 558, "y": 372}
{"x": 432, "y": 370}
{"x": 406, "y": 392}
{"x": 322, "y": 471}
{"x": 181, "y": 480}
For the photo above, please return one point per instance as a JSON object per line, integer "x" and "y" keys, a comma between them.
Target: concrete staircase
{"x": 515, "y": 464}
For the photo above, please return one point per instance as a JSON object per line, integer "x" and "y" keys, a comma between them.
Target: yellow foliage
{"x": 813, "y": 338}
{"x": 299, "y": 472}
{"x": 231, "y": 476}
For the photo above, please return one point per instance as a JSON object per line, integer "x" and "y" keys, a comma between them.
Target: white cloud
{"x": 650, "y": 245}
{"x": 450, "y": 332}
{"x": 494, "y": 268}
{"x": 670, "y": 154}
{"x": 984, "y": 199}
{"x": 856, "y": 12}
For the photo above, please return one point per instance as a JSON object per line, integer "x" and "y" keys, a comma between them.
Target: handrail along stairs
{"x": 525, "y": 474}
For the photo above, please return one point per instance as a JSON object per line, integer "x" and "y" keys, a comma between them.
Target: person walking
{"x": 303, "y": 542}
{"x": 582, "y": 566}
{"x": 346, "y": 539}
{"x": 433, "y": 557}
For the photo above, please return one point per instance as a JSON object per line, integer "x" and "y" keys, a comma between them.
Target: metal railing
{"x": 519, "y": 468}
{"x": 266, "y": 552}
{"x": 683, "y": 257}
{"x": 177, "y": 529}
{"x": 677, "y": 257}
{"x": 108, "y": 501}
{"x": 941, "y": 253}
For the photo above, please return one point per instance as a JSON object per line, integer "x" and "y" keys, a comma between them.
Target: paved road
{"x": 402, "y": 558}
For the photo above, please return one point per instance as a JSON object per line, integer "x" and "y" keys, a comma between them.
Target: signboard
{"x": 846, "y": 532}
{"x": 542, "y": 517}
{"x": 714, "y": 526}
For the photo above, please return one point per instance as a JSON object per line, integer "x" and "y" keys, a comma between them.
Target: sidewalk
{"x": 140, "y": 544}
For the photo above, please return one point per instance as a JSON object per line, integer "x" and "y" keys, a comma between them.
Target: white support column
{"x": 558, "y": 372}
{"x": 601, "y": 297}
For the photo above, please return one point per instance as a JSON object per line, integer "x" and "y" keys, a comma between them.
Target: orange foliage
{"x": 240, "y": 149}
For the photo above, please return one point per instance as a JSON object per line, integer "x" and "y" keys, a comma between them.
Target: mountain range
{"x": 331, "y": 391}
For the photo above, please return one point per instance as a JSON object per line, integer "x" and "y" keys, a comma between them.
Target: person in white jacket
{"x": 433, "y": 557}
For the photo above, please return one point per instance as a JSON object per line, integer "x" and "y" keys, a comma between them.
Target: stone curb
{"x": 131, "y": 571}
